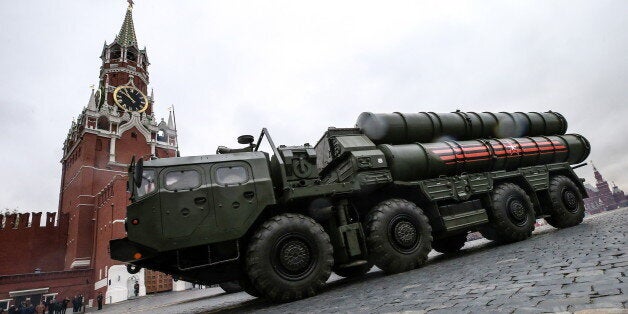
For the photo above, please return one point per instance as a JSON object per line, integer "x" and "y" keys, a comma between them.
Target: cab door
{"x": 185, "y": 200}
{"x": 235, "y": 197}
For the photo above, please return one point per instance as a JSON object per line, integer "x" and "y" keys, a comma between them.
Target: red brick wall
{"x": 128, "y": 146}
{"x": 26, "y": 248}
{"x": 65, "y": 283}
{"x": 87, "y": 176}
{"x": 111, "y": 211}
{"x": 165, "y": 153}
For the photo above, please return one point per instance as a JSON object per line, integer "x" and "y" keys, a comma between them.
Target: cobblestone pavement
{"x": 576, "y": 269}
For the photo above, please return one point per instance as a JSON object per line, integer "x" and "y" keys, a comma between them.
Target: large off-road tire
{"x": 512, "y": 216}
{"x": 247, "y": 286}
{"x": 399, "y": 236}
{"x": 290, "y": 257}
{"x": 567, "y": 205}
{"x": 230, "y": 286}
{"x": 450, "y": 245}
{"x": 353, "y": 271}
{"x": 488, "y": 232}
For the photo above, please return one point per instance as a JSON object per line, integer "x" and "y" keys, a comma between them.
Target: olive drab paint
{"x": 425, "y": 127}
{"x": 199, "y": 217}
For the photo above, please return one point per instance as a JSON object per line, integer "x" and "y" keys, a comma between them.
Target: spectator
{"x": 99, "y": 299}
{"x": 41, "y": 308}
{"x": 75, "y": 306}
{"x": 64, "y": 305}
{"x": 51, "y": 306}
{"x": 58, "y": 307}
{"x": 27, "y": 308}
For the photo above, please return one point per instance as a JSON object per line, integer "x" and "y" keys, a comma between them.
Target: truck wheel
{"x": 488, "y": 233}
{"x": 247, "y": 286}
{"x": 399, "y": 236}
{"x": 567, "y": 204}
{"x": 450, "y": 245}
{"x": 512, "y": 214}
{"x": 290, "y": 257}
{"x": 230, "y": 286}
{"x": 353, "y": 271}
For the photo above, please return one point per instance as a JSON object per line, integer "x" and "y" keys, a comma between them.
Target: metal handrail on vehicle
{"x": 282, "y": 169}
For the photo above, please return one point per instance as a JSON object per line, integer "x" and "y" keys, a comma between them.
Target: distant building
{"x": 601, "y": 197}
{"x": 156, "y": 281}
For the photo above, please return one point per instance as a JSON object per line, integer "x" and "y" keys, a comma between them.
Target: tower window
{"x": 133, "y": 135}
{"x": 161, "y": 136}
{"x": 131, "y": 55}
{"x": 103, "y": 123}
{"x": 116, "y": 53}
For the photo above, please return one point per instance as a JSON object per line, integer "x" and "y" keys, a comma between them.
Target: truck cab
{"x": 193, "y": 203}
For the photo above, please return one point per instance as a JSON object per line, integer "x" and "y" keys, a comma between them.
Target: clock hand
{"x": 126, "y": 93}
{"x": 129, "y": 97}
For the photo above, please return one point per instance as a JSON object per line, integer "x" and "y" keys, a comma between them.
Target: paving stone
{"x": 596, "y": 310}
{"x": 607, "y": 292}
{"x": 526, "y": 310}
{"x": 556, "y": 270}
{"x": 611, "y": 299}
{"x": 593, "y": 272}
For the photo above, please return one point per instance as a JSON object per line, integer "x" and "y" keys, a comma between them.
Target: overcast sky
{"x": 297, "y": 67}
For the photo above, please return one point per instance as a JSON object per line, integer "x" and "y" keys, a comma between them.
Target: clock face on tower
{"x": 130, "y": 98}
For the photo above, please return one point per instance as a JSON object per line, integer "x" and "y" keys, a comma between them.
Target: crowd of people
{"x": 50, "y": 306}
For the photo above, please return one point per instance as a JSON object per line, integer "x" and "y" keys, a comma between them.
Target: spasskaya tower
{"x": 68, "y": 255}
{"x": 117, "y": 123}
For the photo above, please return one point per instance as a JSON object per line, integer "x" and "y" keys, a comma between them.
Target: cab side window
{"x": 182, "y": 180}
{"x": 148, "y": 183}
{"x": 231, "y": 175}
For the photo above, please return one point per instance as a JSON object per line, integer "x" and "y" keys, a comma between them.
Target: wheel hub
{"x": 570, "y": 200}
{"x": 517, "y": 211}
{"x": 405, "y": 234}
{"x": 294, "y": 255}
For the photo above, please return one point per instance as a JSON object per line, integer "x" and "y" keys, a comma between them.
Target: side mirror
{"x": 246, "y": 139}
{"x": 131, "y": 182}
{"x": 139, "y": 168}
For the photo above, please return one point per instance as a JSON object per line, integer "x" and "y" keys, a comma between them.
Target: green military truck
{"x": 383, "y": 193}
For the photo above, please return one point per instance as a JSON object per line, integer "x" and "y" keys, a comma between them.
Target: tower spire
{"x": 91, "y": 104}
{"x": 170, "y": 117}
{"x": 127, "y": 37}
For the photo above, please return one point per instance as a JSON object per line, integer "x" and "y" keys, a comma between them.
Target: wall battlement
{"x": 31, "y": 220}
{"x": 38, "y": 245}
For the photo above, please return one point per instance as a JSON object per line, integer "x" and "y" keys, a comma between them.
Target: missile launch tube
{"x": 409, "y": 162}
{"x": 426, "y": 127}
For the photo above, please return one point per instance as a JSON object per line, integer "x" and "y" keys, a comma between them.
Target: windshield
{"x": 148, "y": 183}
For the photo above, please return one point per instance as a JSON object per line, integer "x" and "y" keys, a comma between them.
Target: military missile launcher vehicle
{"x": 384, "y": 193}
